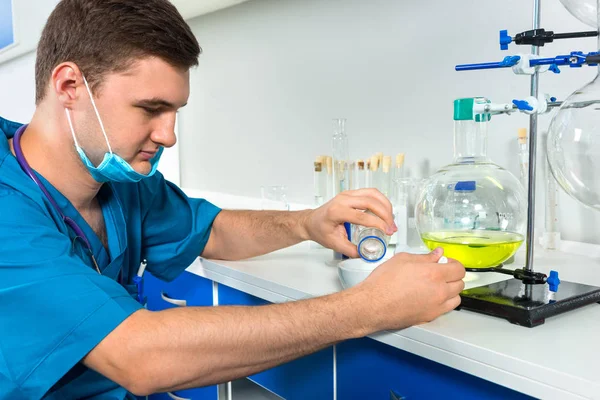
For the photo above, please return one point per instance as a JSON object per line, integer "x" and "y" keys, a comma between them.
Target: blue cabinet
{"x": 367, "y": 369}
{"x": 207, "y": 393}
{"x": 309, "y": 377}
{"x": 186, "y": 290}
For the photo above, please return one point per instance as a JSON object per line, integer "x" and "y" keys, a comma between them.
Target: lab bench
{"x": 462, "y": 355}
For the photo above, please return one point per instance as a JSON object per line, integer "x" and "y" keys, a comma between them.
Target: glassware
{"x": 573, "y": 145}
{"x": 371, "y": 243}
{"x": 340, "y": 157}
{"x": 274, "y": 198}
{"x": 341, "y": 178}
{"x": 319, "y": 182}
{"x": 473, "y": 208}
{"x": 407, "y": 238}
{"x": 361, "y": 177}
{"x": 386, "y": 173}
{"x": 583, "y": 10}
{"x": 523, "y": 157}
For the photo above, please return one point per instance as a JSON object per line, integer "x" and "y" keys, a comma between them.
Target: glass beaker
{"x": 274, "y": 198}
{"x": 474, "y": 209}
{"x": 407, "y": 238}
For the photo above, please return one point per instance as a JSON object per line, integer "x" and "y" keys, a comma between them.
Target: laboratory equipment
{"x": 274, "y": 197}
{"x": 374, "y": 181}
{"x": 473, "y": 208}
{"x": 319, "y": 182}
{"x": 583, "y": 10}
{"x": 386, "y": 179}
{"x": 371, "y": 242}
{"x": 523, "y": 156}
{"x": 340, "y": 157}
{"x": 360, "y": 175}
{"x": 530, "y": 297}
{"x": 527, "y": 64}
{"x": 399, "y": 170}
{"x": 329, "y": 166}
{"x": 574, "y": 145}
{"x": 539, "y": 37}
{"x": 341, "y": 177}
{"x": 352, "y": 175}
{"x": 407, "y": 238}
{"x": 551, "y": 236}
{"x": 353, "y": 271}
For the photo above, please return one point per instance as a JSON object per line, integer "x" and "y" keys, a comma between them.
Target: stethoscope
{"x": 79, "y": 234}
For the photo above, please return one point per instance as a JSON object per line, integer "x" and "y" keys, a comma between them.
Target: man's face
{"x": 138, "y": 109}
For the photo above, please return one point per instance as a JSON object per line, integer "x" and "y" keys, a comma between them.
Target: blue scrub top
{"x": 54, "y": 306}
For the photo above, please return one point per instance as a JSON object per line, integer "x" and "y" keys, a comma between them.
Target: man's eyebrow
{"x": 157, "y": 102}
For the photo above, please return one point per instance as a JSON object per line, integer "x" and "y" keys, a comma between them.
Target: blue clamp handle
{"x": 554, "y": 68}
{"x": 553, "y": 281}
{"x": 505, "y": 40}
{"x": 522, "y": 105}
{"x": 508, "y": 61}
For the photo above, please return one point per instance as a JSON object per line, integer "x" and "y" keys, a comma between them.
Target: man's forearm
{"x": 237, "y": 235}
{"x": 192, "y": 346}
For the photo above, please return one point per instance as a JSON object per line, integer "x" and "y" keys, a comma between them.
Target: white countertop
{"x": 557, "y": 360}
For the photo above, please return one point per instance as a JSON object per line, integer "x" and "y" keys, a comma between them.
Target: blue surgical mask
{"x": 112, "y": 168}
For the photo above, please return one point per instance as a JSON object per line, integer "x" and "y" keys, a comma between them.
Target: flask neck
{"x": 470, "y": 141}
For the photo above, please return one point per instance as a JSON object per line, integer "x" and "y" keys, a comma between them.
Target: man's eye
{"x": 152, "y": 111}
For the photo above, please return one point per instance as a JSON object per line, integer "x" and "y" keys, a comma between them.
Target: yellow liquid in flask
{"x": 475, "y": 249}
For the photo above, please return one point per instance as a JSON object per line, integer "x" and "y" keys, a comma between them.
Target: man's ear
{"x": 67, "y": 83}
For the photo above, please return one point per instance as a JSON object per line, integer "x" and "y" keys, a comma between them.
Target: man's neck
{"x": 49, "y": 150}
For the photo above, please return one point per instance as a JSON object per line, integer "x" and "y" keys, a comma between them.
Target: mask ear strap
{"x": 97, "y": 114}
{"x": 71, "y": 126}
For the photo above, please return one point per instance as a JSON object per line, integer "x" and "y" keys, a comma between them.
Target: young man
{"x": 81, "y": 205}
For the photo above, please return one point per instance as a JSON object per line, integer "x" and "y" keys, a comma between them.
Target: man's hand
{"x": 408, "y": 290}
{"x": 325, "y": 225}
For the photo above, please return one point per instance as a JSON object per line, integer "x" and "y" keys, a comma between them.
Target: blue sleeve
{"x": 175, "y": 227}
{"x": 54, "y": 309}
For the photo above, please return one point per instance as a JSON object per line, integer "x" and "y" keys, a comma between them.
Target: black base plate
{"x": 527, "y": 305}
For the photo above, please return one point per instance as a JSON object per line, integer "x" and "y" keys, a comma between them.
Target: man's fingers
{"x": 382, "y": 218}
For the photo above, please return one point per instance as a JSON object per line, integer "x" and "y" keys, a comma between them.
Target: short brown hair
{"x": 105, "y": 36}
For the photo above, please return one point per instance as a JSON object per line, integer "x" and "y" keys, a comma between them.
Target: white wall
{"x": 275, "y": 72}
{"x": 17, "y": 88}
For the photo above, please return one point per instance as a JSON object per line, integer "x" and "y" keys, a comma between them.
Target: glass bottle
{"x": 371, "y": 243}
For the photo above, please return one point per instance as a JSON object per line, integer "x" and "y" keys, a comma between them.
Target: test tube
{"x": 368, "y": 174}
{"x": 401, "y": 204}
{"x": 329, "y": 190}
{"x": 379, "y": 158}
{"x": 374, "y": 172}
{"x": 320, "y": 181}
{"x": 360, "y": 175}
{"x": 386, "y": 176}
{"x": 399, "y": 170}
{"x": 340, "y": 156}
{"x": 523, "y": 157}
